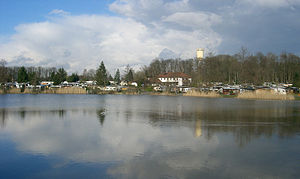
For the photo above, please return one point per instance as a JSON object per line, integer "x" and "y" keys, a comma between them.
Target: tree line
{"x": 239, "y": 68}
{"x": 34, "y": 75}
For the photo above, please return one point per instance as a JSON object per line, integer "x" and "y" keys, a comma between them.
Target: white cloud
{"x": 144, "y": 28}
{"x": 117, "y": 139}
{"x": 58, "y": 12}
{"x": 149, "y": 10}
{"x": 272, "y": 3}
{"x": 78, "y": 42}
{"x": 81, "y": 41}
{"x": 194, "y": 20}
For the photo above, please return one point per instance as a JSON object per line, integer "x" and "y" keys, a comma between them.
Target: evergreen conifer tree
{"x": 101, "y": 75}
{"x": 22, "y": 75}
{"x": 117, "y": 77}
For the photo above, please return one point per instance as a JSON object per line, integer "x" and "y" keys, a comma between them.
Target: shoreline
{"x": 265, "y": 95}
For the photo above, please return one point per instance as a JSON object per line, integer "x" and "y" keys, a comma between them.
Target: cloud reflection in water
{"x": 168, "y": 136}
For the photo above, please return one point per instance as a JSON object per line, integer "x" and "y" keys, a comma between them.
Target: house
{"x": 185, "y": 89}
{"x": 112, "y": 82}
{"x": 68, "y": 84}
{"x": 47, "y": 83}
{"x": 124, "y": 83}
{"x": 110, "y": 88}
{"x": 154, "y": 81}
{"x": 280, "y": 90}
{"x": 175, "y": 78}
{"x": 90, "y": 83}
{"x": 229, "y": 90}
{"x": 134, "y": 84}
{"x": 157, "y": 89}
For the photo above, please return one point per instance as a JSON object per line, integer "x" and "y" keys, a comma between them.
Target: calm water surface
{"x": 93, "y": 136}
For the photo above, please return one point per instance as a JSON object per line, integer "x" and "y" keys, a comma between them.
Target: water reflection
{"x": 245, "y": 123}
{"x": 2, "y": 118}
{"x": 154, "y": 137}
{"x": 101, "y": 116}
{"x": 198, "y": 130}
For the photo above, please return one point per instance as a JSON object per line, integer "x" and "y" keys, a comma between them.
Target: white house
{"x": 134, "y": 84}
{"x": 124, "y": 83}
{"x": 177, "y": 78}
{"x": 89, "y": 83}
{"x": 112, "y": 82}
{"x": 157, "y": 88}
{"x": 279, "y": 90}
{"x": 110, "y": 88}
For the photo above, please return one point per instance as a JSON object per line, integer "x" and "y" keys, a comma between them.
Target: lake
{"x": 119, "y": 136}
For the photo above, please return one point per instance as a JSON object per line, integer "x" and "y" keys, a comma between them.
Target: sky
{"x": 77, "y": 34}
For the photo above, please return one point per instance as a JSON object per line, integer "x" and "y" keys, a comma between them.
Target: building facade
{"x": 175, "y": 78}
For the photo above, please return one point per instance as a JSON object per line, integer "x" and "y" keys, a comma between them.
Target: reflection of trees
{"x": 60, "y": 112}
{"x": 245, "y": 124}
{"x": 22, "y": 113}
{"x": 3, "y": 116}
{"x": 101, "y": 115}
{"x": 164, "y": 118}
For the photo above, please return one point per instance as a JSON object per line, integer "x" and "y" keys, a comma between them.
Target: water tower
{"x": 200, "y": 53}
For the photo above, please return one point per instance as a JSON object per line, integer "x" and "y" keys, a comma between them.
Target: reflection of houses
{"x": 175, "y": 78}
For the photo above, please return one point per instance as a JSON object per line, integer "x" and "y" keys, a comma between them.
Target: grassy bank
{"x": 297, "y": 96}
{"x": 258, "y": 95}
{"x": 265, "y": 95}
{"x": 72, "y": 90}
{"x": 44, "y": 91}
{"x": 202, "y": 94}
{"x": 163, "y": 94}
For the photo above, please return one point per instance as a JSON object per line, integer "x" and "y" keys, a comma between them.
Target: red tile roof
{"x": 174, "y": 75}
{"x": 154, "y": 80}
